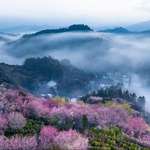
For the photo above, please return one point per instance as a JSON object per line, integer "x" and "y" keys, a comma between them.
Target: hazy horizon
{"x": 95, "y": 13}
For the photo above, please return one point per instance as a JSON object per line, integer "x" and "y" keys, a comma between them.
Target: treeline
{"x": 108, "y": 93}
{"x": 46, "y": 66}
{"x": 75, "y": 27}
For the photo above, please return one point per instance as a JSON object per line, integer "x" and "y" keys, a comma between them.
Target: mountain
{"x": 75, "y": 38}
{"x": 145, "y": 32}
{"x": 46, "y": 75}
{"x": 72, "y": 28}
{"x": 116, "y": 30}
{"x": 22, "y": 29}
{"x": 121, "y": 30}
{"x": 141, "y": 26}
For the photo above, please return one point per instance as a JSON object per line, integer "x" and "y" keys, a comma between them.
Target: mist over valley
{"x": 75, "y": 75}
{"x": 112, "y": 58}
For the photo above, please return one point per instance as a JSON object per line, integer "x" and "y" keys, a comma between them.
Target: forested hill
{"x": 35, "y": 74}
{"x": 115, "y": 93}
{"x": 72, "y": 28}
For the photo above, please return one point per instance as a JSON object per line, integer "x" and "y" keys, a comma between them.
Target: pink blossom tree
{"x": 145, "y": 138}
{"x": 18, "y": 143}
{"x": 22, "y": 142}
{"x": 136, "y": 126}
{"x": 16, "y": 120}
{"x": 3, "y": 124}
{"x": 46, "y": 136}
{"x": 2, "y": 142}
{"x": 36, "y": 108}
{"x": 71, "y": 140}
{"x": 117, "y": 116}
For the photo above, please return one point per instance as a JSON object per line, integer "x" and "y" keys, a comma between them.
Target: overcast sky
{"x": 65, "y": 12}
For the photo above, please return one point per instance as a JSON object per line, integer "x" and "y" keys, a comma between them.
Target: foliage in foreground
{"x": 27, "y": 122}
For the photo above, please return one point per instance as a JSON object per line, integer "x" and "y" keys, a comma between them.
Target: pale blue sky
{"x": 65, "y": 12}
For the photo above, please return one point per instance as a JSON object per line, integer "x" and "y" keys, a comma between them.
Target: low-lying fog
{"x": 95, "y": 52}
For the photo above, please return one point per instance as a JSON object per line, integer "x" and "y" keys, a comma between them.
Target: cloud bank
{"x": 95, "y": 52}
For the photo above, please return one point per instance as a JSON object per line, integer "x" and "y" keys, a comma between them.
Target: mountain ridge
{"x": 139, "y": 27}
{"x": 72, "y": 28}
{"x": 116, "y": 30}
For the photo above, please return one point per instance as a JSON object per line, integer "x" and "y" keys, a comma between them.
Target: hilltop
{"x": 72, "y": 28}
{"x": 35, "y": 74}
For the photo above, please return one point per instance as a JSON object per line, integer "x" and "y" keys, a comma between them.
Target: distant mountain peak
{"x": 116, "y": 30}
{"x": 72, "y": 28}
{"x": 79, "y": 27}
{"x": 139, "y": 27}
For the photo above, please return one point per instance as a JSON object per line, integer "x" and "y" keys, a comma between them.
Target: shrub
{"x": 111, "y": 138}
